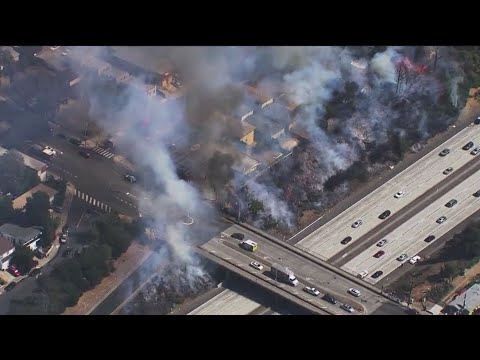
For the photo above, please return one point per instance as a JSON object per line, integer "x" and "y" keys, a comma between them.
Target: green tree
{"x": 37, "y": 208}
{"x": 6, "y": 209}
{"x": 23, "y": 259}
{"x": 95, "y": 263}
{"x": 450, "y": 270}
{"x": 255, "y": 206}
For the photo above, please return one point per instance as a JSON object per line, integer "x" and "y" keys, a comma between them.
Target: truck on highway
{"x": 249, "y": 245}
{"x": 284, "y": 274}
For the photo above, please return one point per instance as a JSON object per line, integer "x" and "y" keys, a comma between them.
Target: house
{"x": 6, "y": 251}
{"x": 38, "y": 166}
{"x": 24, "y": 236}
{"x": 245, "y": 164}
{"x": 248, "y": 134}
{"x": 466, "y": 303}
{"x": 21, "y": 201}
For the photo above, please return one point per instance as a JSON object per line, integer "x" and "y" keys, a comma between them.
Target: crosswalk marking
{"x": 91, "y": 200}
{"x": 158, "y": 234}
{"x": 104, "y": 152}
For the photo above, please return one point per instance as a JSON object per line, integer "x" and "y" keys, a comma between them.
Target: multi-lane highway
{"x": 308, "y": 272}
{"x": 227, "y": 302}
{"x": 409, "y": 237}
{"x": 417, "y": 179}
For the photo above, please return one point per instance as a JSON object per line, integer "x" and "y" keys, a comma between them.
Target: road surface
{"x": 227, "y": 302}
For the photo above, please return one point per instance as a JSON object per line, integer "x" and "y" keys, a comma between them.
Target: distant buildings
{"x": 466, "y": 303}
{"x": 6, "y": 251}
{"x": 23, "y": 236}
{"x": 21, "y": 201}
{"x": 40, "y": 167}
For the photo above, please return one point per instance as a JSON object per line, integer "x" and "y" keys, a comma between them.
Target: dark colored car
{"x": 448, "y": 170}
{"x": 10, "y": 286}
{"x": 346, "y": 240}
{"x": 65, "y": 229}
{"x": 379, "y": 254}
{"x": 238, "y": 236}
{"x": 57, "y": 209}
{"x": 377, "y": 274}
{"x": 451, "y": 203}
{"x": 329, "y": 298}
{"x": 13, "y": 270}
{"x": 84, "y": 154}
{"x": 477, "y": 194}
{"x": 67, "y": 252}
{"x": 385, "y": 214}
{"x": 75, "y": 141}
{"x": 429, "y": 238}
{"x": 477, "y": 121}
{"x": 130, "y": 178}
{"x": 445, "y": 152}
{"x": 35, "y": 272}
{"x": 468, "y": 146}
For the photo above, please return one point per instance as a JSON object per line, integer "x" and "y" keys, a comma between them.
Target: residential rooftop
{"x": 21, "y": 201}
{"x": 22, "y": 234}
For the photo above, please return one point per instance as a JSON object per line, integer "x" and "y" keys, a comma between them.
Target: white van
{"x": 363, "y": 274}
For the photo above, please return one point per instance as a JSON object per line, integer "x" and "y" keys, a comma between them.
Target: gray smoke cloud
{"x": 311, "y": 77}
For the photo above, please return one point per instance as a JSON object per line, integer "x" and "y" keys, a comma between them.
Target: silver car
{"x": 402, "y": 257}
{"x": 311, "y": 291}
{"x": 357, "y": 223}
{"x": 354, "y": 292}
{"x": 347, "y": 308}
{"x": 382, "y": 242}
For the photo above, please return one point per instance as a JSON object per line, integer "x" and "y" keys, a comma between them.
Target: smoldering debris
{"x": 173, "y": 286}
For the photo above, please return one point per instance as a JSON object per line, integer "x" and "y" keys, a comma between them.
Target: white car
{"x": 414, "y": 259}
{"x": 311, "y": 290}
{"x": 53, "y": 48}
{"x": 347, "y": 308}
{"x": 475, "y": 151}
{"x": 402, "y": 257}
{"x": 382, "y": 242}
{"x": 256, "y": 265}
{"x": 354, "y": 292}
{"x": 399, "y": 194}
{"x": 363, "y": 274}
{"x": 357, "y": 223}
{"x": 63, "y": 238}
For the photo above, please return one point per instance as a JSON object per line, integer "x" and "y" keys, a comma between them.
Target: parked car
{"x": 354, "y": 292}
{"x": 329, "y": 298}
{"x": 10, "y": 286}
{"x": 238, "y": 236}
{"x": 382, "y": 242}
{"x": 357, "y": 223}
{"x": 448, "y": 170}
{"x": 399, "y": 194}
{"x": 35, "y": 272}
{"x": 402, "y": 257}
{"x": 429, "y": 238}
{"x": 379, "y": 254}
{"x": 451, "y": 203}
{"x": 362, "y": 274}
{"x": 468, "y": 145}
{"x": 385, "y": 214}
{"x": 13, "y": 270}
{"x": 347, "y": 308}
{"x": 311, "y": 290}
{"x": 63, "y": 238}
{"x": 256, "y": 265}
{"x": 75, "y": 141}
{"x": 130, "y": 178}
{"x": 346, "y": 240}
{"x": 441, "y": 219}
{"x": 445, "y": 152}
{"x": 84, "y": 154}
{"x": 414, "y": 259}
{"x": 377, "y": 274}
{"x": 68, "y": 251}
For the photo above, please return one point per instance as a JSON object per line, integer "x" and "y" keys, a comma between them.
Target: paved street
{"x": 414, "y": 181}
